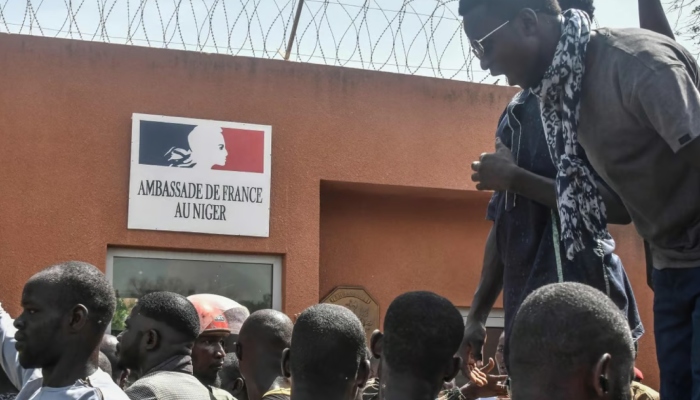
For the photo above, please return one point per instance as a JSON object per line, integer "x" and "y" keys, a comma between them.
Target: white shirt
{"x": 98, "y": 386}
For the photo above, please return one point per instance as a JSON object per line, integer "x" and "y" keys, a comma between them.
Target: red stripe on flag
{"x": 246, "y": 150}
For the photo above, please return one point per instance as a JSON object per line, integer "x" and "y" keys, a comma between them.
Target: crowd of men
{"x": 173, "y": 347}
{"x": 604, "y": 131}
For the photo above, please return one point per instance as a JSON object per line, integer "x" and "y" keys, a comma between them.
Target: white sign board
{"x": 193, "y": 175}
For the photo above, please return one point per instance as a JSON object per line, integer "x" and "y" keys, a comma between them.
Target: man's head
{"x": 328, "y": 356}
{"x": 515, "y": 38}
{"x": 108, "y": 347}
{"x": 500, "y": 359}
{"x": 263, "y": 338}
{"x": 422, "y": 333}
{"x": 572, "y": 340}
{"x": 104, "y": 364}
{"x": 161, "y": 325}
{"x": 583, "y": 5}
{"x": 231, "y": 378}
{"x": 208, "y": 351}
{"x": 66, "y": 309}
{"x": 208, "y": 356}
{"x": 233, "y": 312}
{"x": 236, "y": 317}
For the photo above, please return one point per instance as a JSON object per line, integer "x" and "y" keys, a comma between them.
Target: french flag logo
{"x": 201, "y": 147}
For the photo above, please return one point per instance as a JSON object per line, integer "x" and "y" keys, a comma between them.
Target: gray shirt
{"x": 640, "y": 106}
{"x": 168, "y": 385}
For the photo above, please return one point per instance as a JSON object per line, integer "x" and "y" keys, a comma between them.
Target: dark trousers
{"x": 677, "y": 331}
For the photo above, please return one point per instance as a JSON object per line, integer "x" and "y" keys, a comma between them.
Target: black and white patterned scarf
{"x": 580, "y": 204}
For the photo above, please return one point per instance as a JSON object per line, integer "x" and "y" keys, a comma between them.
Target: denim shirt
{"x": 528, "y": 232}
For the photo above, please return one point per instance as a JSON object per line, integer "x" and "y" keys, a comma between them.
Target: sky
{"x": 426, "y": 39}
{"x": 623, "y": 13}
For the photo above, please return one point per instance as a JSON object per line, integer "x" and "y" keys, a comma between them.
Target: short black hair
{"x": 269, "y": 326}
{"x": 510, "y": 8}
{"x": 328, "y": 345}
{"x": 583, "y": 5}
{"x": 82, "y": 283}
{"x": 231, "y": 369}
{"x": 173, "y": 310}
{"x": 565, "y": 326}
{"x": 422, "y": 332}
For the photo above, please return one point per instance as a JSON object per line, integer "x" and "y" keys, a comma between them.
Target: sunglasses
{"x": 478, "y": 47}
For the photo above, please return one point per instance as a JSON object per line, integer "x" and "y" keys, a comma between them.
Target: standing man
{"x": 328, "y": 357}
{"x": 263, "y": 338}
{"x": 208, "y": 352}
{"x": 51, "y": 351}
{"x": 235, "y": 314}
{"x": 570, "y": 342}
{"x": 630, "y": 99}
{"x": 524, "y": 251}
{"x": 422, "y": 333}
{"x": 157, "y": 343}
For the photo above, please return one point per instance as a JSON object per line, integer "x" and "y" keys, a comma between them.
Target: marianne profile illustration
{"x": 207, "y": 148}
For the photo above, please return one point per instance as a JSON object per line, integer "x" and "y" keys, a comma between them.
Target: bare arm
{"x": 491, "y": 282}
{"x": 653, "y": 17}
{"x": 487, "y": 292}
{"x": 543, "y": 191}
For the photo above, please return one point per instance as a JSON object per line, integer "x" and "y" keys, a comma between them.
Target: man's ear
{"x": 363, "y": 373}
{"x": 453, "y": 368}
{"x": 123, "y": 378}
{"x": 151, "y": 339}
{"x": 77, "y": 318}
{"x": 238, "y": 387}
{"x": 527, "y": 22}
{"x": 286, "y": 371}
{"x": 601, "y": 375}
{"x": 376, "y": 344}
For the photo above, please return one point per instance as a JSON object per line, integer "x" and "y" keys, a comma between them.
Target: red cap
{"x": 211, "y": 319}
{"x": 234, "y": 313}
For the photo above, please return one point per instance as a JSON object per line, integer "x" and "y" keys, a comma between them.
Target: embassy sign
{"x": 192, "y": 175}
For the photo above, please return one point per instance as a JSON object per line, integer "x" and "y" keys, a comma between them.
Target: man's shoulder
{"x": 79, "y": 391}
{"x": 632, "y": 48}
{"x": 98, "y": 393}
{"x": 641, "y": 392}
{"x": 105, "y": 387}
{"x": 168, "y": 384}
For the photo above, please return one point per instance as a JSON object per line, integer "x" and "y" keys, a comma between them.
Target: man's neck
{"x": 406, "y": 387}
{"x": 299, "y": 395}
{"x": 153, "y": 360}
{"x": 304, "y": 391}
{"x": 70, "y": 368}
{"x": 568, "y": 389}
{"x": 550, "y": 42}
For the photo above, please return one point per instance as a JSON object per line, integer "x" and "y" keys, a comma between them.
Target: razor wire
{"x": 416, "y": 37}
